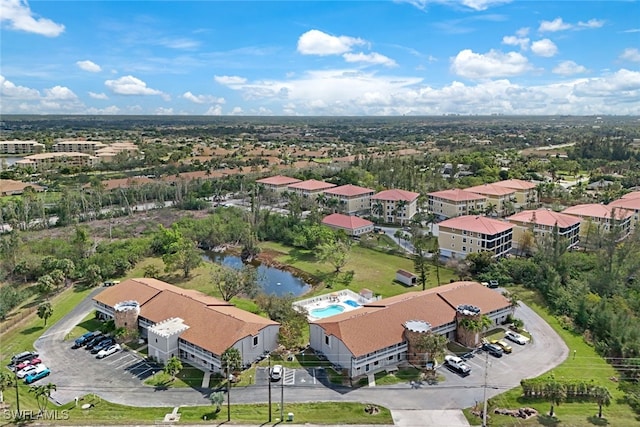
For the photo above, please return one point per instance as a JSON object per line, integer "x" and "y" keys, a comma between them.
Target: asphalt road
{"x": 118, "y": 378}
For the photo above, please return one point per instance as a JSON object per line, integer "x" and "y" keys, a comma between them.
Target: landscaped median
{"x": 584, "y": 364}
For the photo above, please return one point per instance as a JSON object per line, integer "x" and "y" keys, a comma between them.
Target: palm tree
{"x": 173, "y": 366}
{"x": 602, "y": 396}
{"x": 377, "y": 209}
{"x": 42, "y": 394}
{"x": 45, "y": 310}
{"x": 399, "y": 211}
{"x": 556, "y": 392}
{"x": 433, "y": 346}
{"x": 491, "y": 209}
{"x": 6, "y": 381}
{"x": 217, "y": 399}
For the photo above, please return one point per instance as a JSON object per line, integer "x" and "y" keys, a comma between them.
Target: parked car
{"x": 26, "y": 371}
{"x": 114, "y": 348}
{"x": 21, "y": 357}
{"x": 26, "y": 363}
{"x": 456, "y": 364}
{"x": 493, "y": 284}
{"x": 94, "y": 341}
{"x": 503, "y": 345}
{"x": 516, "y": 337}
{"x": 84, "y": 339}
{"x": 111, "y": 282}
{"x": 102, "y": 345}
{"x": 41, "y": 372}
{"x": 276, "y": 372}
{"x": 492, "y": 349}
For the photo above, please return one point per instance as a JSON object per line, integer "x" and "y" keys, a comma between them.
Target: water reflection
{"x": 272, "y": 280}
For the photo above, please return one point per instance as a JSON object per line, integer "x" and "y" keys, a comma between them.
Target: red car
{"x": 27, "y": 363}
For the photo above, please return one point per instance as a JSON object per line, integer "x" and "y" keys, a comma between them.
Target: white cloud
{"x": 623, "y": 84}
{"x": 98, "y": 95}
{"x": 19, "y": 16}
{"x": 591, "y": 23}
{"x": 632, "y": 30}
{"x": 370, "y": 58}
{"x": 180, "y": 43}
{"x": 215, "y": 110}
{"x": 630, "y": 54}
{"x": 523, "y": 32}
{"x": 559, "y": 25}
{"x": 202, "y": 99}
{"x": 492, "y": 64}
{"x": 161, "y": 111}
{"x": 89, "y": 66}
{"x": 477, "y": 5}
{"x": 130, "y": 85}
{"x": 10, "y": 90}
{"x": 552, "y": 26}
{"x": 59, "y": 93}
{"x": 229, "y": 80}
{"x": 544, "y": 47}
{"x": 516, "y": 41}
{"x": 111, "y": 110}
{"x": 237, "y": 111}
{"x": 315, "y": 42}
{"x": 568, "y": 68}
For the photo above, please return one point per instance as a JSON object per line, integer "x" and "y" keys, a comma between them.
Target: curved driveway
{"x": 544, "y": 352}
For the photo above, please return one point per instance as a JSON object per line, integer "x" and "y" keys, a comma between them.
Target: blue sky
{"x": 411, "y": 57}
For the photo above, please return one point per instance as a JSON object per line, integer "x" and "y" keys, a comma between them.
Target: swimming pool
{"x": 352, "y": 303}
{"x": 331, "y": 310}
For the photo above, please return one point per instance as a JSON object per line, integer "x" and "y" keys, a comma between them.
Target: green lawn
{"x": 189, "y": 376}
{"x": 373, "y": 270}
{"x": 587, "y": 365}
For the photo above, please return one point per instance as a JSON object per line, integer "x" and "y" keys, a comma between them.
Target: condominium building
{"x": 278, "y": 183}
{"x": 351, "y": 199}
{"x": 21, "y": 147}
{"x": 310, "y": 188}
{"x": 597, "y": 220}
{"x": 501, "y": 201}
{"x": 630, "y": 202}
{"x": 452, "y": 203}
{"x": 394, "y": 206}
{"x": 535, "y": 225}
{"x": 467, "y": 234}
{"x": 185, "y": 323}
{"x": 526, "y": 193}
{"x": 46, "y": 161}
{"x": 383, "y": 335}
{"x": 109, "y": 152}
{"x": 87, "y": 147}
{"x": 350, "y": 224}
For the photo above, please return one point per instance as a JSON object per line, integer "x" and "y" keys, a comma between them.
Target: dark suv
{"x": 105, "y": 343}
{"x": 94, "y": 341}
{"x": 492, "y": 349}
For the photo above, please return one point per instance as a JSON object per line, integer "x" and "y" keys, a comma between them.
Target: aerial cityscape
{"x": 395, "y": 213}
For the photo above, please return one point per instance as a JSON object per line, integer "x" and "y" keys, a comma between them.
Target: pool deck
{"x": 332, "y": 298}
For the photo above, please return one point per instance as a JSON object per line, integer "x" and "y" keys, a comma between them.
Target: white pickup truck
{"x": 457, "y": 364}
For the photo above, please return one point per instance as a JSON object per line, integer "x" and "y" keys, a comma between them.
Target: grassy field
{"x": 189, "y": 376}
{"x": 329, "y": 413}
{"x": 587, "y": 365}
{"x": 372, "y": 269}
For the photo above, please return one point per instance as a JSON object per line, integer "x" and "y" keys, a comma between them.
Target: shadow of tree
{"x": 547, "y": 420}
{"x": 597, "y": 421}
{"x": 31, "y": 330}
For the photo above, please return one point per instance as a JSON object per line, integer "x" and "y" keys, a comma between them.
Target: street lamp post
{"x": 282, "y": 397}
{"x": 269, "y": 381}
{"x": 228, "y": 394}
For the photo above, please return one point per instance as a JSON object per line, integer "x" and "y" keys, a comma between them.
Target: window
{"x": 376, "y": 363}
{"x": 327, "y": 341}
{"x": 391, "y": 357}
{"x": 464, "y": 240}
{"x": 255, "y": 340}
{"x": 464, "y": 249}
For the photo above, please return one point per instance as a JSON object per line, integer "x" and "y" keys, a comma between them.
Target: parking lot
{"x": 293, "y": 377}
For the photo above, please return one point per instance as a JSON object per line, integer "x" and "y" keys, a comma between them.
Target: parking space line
{"x": 313, "y": 373}
{"x": 146, "y": 370}
{"x": 111, "y": 362}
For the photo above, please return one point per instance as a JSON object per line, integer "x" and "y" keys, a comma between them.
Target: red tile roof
{"x": 381, "y": 323}
{"x": 545, "y": 217}
{"x": 312, "y": 185}
{"x": 627, "y": 203}
{"x": 491, "y": 190}
{"x": 346, "y": 221}
{"x": 349, "y": 190}
{"x": 595, "y": 210}
{"x": 457, "y": 195}
{"x": 516, "y": 184}
{"x": 278, "y": 180}
{"x": 632, "y": 195}
{"x": 396, "y": 194}
{"x": 214, "y": 325}
{"x": 477, "y": 224}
